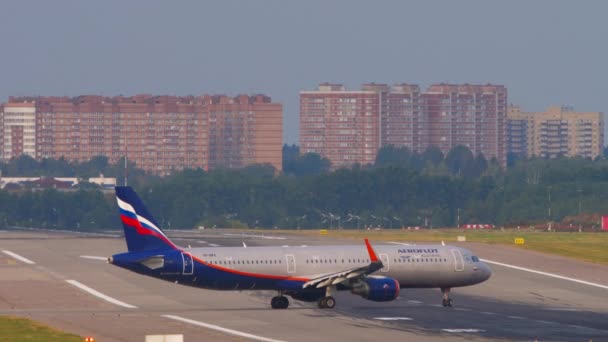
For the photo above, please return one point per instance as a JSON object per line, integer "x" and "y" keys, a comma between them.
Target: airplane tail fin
{"x": 141, "y": 230}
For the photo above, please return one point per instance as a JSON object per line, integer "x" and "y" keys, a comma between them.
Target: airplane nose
{"x": 487, "y": 272}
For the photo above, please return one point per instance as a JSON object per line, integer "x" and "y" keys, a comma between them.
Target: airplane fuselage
{"x": 287, "y": 268}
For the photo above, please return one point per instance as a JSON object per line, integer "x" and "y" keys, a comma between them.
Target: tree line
{"x": 402, "y": 188}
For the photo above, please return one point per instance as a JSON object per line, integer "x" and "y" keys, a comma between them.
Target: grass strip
{"x": 16, "y": 329}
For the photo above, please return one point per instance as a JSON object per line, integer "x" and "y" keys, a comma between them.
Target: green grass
{"x": 14, "y": 329}
{"x": 586, "y": 246}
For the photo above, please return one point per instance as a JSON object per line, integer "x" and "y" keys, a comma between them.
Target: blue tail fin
{"x": 141, "y": 230}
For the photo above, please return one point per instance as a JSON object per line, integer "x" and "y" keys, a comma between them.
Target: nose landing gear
{"x": 447, "y": 301}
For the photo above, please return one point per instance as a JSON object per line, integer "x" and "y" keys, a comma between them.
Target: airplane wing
{"x": 353, "y": 273}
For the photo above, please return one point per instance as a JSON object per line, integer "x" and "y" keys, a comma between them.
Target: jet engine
{"x": 378, "y": 289}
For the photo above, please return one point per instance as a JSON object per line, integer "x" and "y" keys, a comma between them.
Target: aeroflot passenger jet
{"x": 303, "y": 273}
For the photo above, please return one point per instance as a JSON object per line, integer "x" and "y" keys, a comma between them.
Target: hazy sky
{"x": 545, "y": 52}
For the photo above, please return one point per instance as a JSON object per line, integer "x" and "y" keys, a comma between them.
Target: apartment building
{"x": 159, "y": 133}
{"x": 18, "y": 129}
{"x": 349, "y": 127}
{"x": 341, "y": 125}
{"x": 558, "y": 131}
{"x": 518, "y": 128}
{"x": 469, "y": 115}
{"x": 244, "y": 130}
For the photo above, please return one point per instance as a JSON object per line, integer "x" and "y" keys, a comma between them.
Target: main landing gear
{"x": 447, "y": 301}
{"x": 327, "y": 302}
{"x": 279, "y": 302}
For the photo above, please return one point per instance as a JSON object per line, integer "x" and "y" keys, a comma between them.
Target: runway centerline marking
{"x": 99, "y": 294}
{"x": 93, "y": 257}
{"x": 222, "y": 329}
{"x": 18, "y": 257}
{"x": 268, "y": 237}
{"x": 399, "y": 243}
{"x": 546, "y": 274}
{"x": 213, "y": 245}
{"x": 463, "y": 330}
{"x": 393, "y": 318}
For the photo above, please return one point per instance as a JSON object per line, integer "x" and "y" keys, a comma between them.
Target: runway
{"x": 513, "y": 305}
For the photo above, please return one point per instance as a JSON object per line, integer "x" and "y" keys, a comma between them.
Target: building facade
{"x": 349, "y": 127}
{"x": 469, "y": 115}
{"x": 244, "y": 130}
{"x": 341, "y": 125}
{"x": 19, "y": 129}
{"x": 159, "y": 133}
{"x": 558, "y": 131}
{"x": 518, "y": 132}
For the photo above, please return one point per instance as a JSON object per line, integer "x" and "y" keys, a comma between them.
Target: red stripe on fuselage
{"x": 247, "y": 274}
{"x": 131, "y": 222}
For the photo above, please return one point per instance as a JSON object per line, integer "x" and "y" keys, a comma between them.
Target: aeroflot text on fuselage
{"x": 419, "y": 250}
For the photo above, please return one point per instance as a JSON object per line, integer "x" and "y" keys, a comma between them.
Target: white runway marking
{"x": 399, "y": 243}
{"x": 93, "y": 257}
{"x": 462, "y": 330}
{"x": 488, "y": 313}
{"x": 201, "y": 241}
{"x": 268, "y": 237}
{"x": 516, "y": 317}
{"x": 546, "y": 274}
{"x": 100, "y": 295}
{"x": 411, "y": 301}
{"x": 393, "y": 318}
{"x": 222, "y": 329}
{"x": 562, "y": 309}
{"x": 213, "y": 245}
{"x": 18, "y": 257}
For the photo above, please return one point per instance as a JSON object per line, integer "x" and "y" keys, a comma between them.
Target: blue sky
{"x": 545, "y": 52}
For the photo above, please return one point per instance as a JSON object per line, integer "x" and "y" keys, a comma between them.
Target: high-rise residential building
{"x": 558, "y": 131}
{"x": 19, "y": 129}
{"x": 403, "y": 123}
{"x": 341, "y": 125}
{"x": 159, "y": 133}
{"x": 518, "y": 131}
{"x": 244, "y": 130}
{"x": 469, "y": 115}
{"x": 348, "y": 127}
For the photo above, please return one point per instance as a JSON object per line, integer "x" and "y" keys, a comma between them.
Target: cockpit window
{"x": 475, "y": 259}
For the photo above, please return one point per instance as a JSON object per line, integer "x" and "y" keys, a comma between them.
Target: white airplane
{"x": 304, "y": 273}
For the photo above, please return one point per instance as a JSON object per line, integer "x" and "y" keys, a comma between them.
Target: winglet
{"x": 370, "y": 250}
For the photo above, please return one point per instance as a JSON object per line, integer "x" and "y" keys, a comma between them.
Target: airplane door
{"x": 385, "y": 262}
{"x": 188, "y": 264}
{"x": 458, "y": 262}
{"x": 291, "y": 263}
